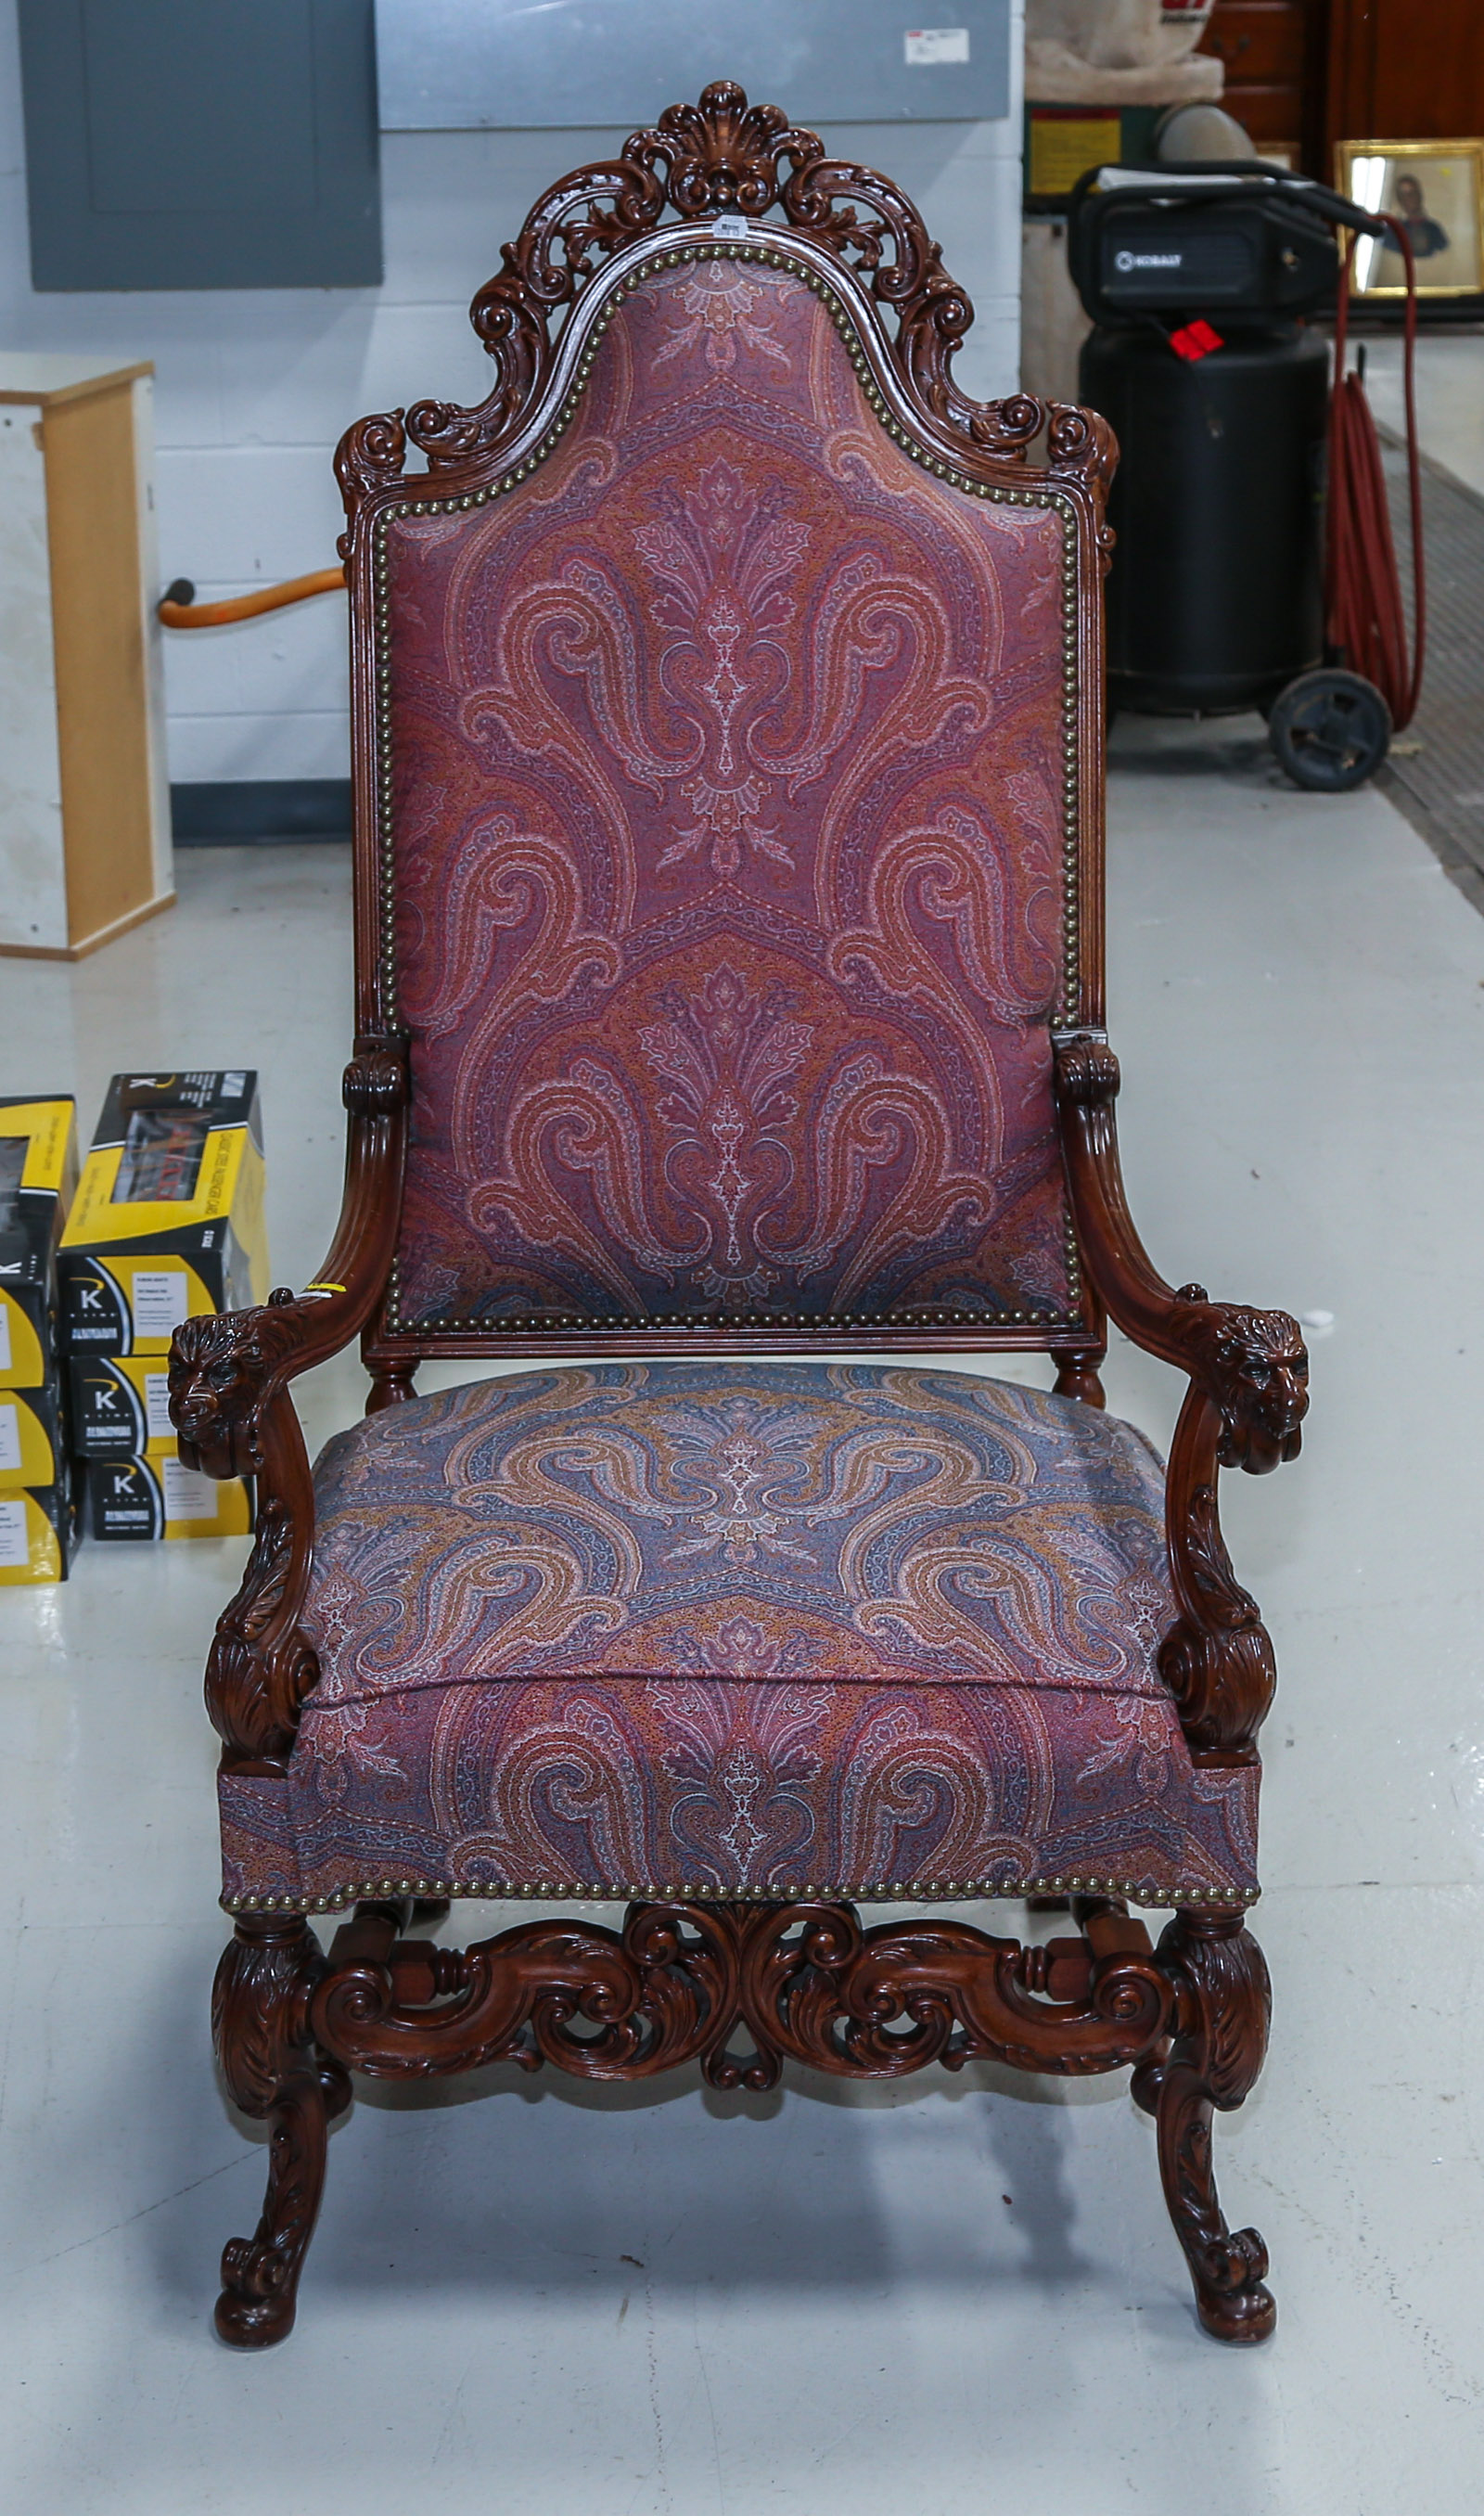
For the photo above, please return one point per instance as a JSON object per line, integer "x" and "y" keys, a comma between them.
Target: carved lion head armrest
{"x": 1254, "y": 1369}
{"x": 225, "y": 1369}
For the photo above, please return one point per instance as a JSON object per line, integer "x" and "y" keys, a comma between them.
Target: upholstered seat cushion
{"x": 738, "y": 1628}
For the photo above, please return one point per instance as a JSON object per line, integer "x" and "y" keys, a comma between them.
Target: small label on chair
{"x": 10, "y": 1436}
{"x": 15, "y": 1547}
{"x": 729, "y": 227}
{"x": 157, "y": 1422}
{"x": 927, "y": 47}
{"x": 188, "y": 1495}
{"x": 159, "y": 1300}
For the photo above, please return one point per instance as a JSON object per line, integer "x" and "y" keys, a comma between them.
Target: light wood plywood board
{"x": 33, "y": 900}
{"x": 85, "y": 830}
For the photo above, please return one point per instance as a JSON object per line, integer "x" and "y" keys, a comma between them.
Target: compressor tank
{"x": 1215, "y": 596}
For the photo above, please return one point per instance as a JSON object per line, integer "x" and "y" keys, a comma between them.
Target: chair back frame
{"x": 708, "y": 183}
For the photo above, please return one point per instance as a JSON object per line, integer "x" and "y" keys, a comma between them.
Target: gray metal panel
{"x": 509, "y": 64}
{"x": 201, "y": 143}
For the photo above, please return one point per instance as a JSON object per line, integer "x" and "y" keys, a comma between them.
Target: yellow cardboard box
{"x": 121, "y": 1406}
{"x": 161, "y": 1498}
{"x": 38, "y": 1177}
{"x": 33, "y": 1446}
{"x": 168, "y": 1220}
{"x": 38, "y": 1534}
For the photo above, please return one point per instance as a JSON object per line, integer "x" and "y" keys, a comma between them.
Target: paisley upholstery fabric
{"x": 736, "y": 1628}
{"x": 726, "y": 772}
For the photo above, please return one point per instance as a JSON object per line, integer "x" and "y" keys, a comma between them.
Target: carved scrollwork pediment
{"x": 721, "y": 157}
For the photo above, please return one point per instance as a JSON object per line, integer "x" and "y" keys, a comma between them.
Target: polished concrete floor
{"x": 1450, "y": 386}
{"x": 954, "y": 2295}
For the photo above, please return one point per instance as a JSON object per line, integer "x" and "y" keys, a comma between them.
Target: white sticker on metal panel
{"x": 927, "y": 47}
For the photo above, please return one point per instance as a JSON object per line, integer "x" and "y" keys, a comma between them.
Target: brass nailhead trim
{"x": 895, "y": 1892}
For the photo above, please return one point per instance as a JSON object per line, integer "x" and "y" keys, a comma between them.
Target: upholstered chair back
{"x": 728, "y": 725}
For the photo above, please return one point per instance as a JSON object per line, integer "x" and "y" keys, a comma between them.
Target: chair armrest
{"x": 1248, "y": 1397}
{"x": 1251, "y": 1364}
{"x": 230, "y": 1404}
{"x": 227, "y": 1369}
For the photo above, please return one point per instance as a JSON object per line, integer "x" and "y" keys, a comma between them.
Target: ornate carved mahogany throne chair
{"x": 728, "y": 920}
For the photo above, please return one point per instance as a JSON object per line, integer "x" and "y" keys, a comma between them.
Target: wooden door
{"x": 1274, "y": 57}
{"x": 1406, "y": 69}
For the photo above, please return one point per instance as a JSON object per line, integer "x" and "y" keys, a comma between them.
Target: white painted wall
{"x": 254, "y": 387}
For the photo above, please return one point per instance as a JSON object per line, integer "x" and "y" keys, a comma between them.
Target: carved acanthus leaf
{"x": 259, "y": 2010}
{"x": 1216, "y": 1658}
{"x": 260, "y": 1667}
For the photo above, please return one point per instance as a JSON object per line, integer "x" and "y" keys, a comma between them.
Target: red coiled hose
{"x": 1365, "y": 622}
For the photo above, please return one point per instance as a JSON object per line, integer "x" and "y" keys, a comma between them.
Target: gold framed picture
{"x": 1436, "y": 188}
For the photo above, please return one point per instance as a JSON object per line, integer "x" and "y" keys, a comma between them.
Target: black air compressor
{"x": 1198, "y": 281}
{"x": 1219, "y": 398}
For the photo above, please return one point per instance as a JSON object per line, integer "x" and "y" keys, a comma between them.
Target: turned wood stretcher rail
{"x": 180, "y": 609}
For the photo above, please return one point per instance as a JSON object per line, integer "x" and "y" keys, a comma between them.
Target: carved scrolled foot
{"x": 260, "y": 2019}
{"x": 1215, "y": 2053}
{"x": 260, "y": 2275}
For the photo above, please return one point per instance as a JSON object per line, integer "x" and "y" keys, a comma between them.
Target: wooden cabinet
{"x": 84, "y": 795}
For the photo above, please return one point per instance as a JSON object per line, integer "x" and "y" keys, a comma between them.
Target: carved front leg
{"x": 1222, "y": 2019}
{"x": 260, "y": 2026}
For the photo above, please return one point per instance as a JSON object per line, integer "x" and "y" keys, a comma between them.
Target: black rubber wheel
{"x": 1329, "y": 731}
